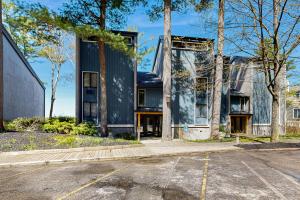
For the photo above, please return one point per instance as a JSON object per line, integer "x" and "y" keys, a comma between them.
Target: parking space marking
{"x": 171, "y": 172}
{"x": 287, "y": 177}
{"x": 204, "y": 178}
{"x": 21, "y": 173}
{"x": 90, "y": 183}
{"x": 269, "y": 185}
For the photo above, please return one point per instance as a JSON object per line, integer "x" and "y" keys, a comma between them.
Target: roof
{"x": 179, "y": 38}
{"x": 21, "y": 55}
{"x": 148, "y": 79}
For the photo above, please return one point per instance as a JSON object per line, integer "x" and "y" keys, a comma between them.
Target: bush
{"x": 24, "y": 124}
{"x": 69, "y": 141}
{"x": 84, "y": 129}
{"x": 57, "y": 126}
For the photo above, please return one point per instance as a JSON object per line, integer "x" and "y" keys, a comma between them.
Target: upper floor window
{"x": 239, "y": 104}
{"x": 141, "y": 97}
{"x": 201, "y": 105}
{"x": 297, "y": 113}
{"x": 90, "y": 79}
{"x": 298, "y": 94}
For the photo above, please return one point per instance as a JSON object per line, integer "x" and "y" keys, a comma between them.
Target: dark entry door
{"x": 238, "y": 124}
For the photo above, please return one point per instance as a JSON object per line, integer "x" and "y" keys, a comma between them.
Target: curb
{"x": 49, "y": 162}
{"x": 80, "y": 149}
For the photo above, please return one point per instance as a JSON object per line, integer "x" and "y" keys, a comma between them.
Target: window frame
{"x": 82, "y": 94}
{"x": 90, "y": 79}
{"x": 144, "y": 91}
{"x": 298, "y": 113}
{"x": 195, "y": 101}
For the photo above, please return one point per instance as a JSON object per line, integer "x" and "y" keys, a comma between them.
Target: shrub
{"x": 84, "y": 129}
{"x": 69, "y": 141}
{"x": 56, "y": 126}
{"x": 24, "y": 124}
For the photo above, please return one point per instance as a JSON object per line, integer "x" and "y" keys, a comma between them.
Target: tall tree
{"x": 166, "y": 126}
{"x": 55, "y": 52}
{"x": 102, "y": 15}
{"x": 216, "y": 109}
{"x": 165, "y": 8}
{"x": 1, "y": 70}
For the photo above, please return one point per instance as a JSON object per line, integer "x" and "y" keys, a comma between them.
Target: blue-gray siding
{"x": 153, "y": 97}
{"x": 24, "y": 94}
{"x": 261, "y": 100}
{"x": 120, "y": 80}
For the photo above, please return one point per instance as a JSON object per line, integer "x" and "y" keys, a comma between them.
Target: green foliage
{"x": 56, "y": 125}
{"x": 24, "y": 124}
{"x": 31, "y": 145}
{"x": 156, "y": 8}
{"x": 26, "y": 31}
{"x": 84, "y": 129}
{"x": 69, "y": 141}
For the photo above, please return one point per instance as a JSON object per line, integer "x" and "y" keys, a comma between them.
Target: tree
{"x": 1, "y": 71}
{"x": 218, "y": 75}
{"x": 27, "y": 32}
{"x": 155, "y": 13}
{"x": 55, "y": 52}
{"x": 256, "y": 22}
{"x": 100, "y": 15}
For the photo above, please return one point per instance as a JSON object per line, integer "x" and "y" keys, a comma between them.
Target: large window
{"x": 244, "y": 104}
{"x": 141, "y": 97}
{"x": 89, "y": 80}
{"x": 201, "y": 106}
{"x": 90, "y": 110}
{"x": 296, "y": 113}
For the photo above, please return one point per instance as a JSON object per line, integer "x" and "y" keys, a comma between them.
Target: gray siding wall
{"x": 24, "y": 96}
{"x": 154, "y": 97}
{"x": 196, "y": 64}
{"x": 120, "y": 81}
{"x": 262, "y": 100}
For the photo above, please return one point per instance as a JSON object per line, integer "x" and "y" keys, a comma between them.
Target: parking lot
{"x": 225, "y": 175}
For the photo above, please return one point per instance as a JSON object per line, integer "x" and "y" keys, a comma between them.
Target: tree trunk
{"x": 216, "y": 110}
{"x": 275, "y": 102}
{"x": 1, "y": 71}
{"x": 103, "y": 95}
{"x": 275, "y": 116}
{"x": 51, "y": 106}
{"x": 166, "y": 130}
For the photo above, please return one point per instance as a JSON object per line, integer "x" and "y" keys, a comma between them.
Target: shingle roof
{"x": 148, "y": 79}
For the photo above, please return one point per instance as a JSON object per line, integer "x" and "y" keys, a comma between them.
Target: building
{"x": 135, "y": 98}
{"x": 121, "y": 84}
{"x": 293, "y": 104}
{"x": 23, "y": 91}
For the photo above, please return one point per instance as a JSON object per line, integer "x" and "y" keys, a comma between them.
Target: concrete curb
{"x": 49, "y": 162}
{"x": 80, "y": 149}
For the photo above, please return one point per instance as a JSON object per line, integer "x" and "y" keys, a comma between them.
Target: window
{"x": 141, "y": 97}
{"x": 298, "y": 94}
{"x": 244, "y": 104}
{"x": 296, "y": 113}
{"x": 90, "y": 109}
{"x": 201, "y": 101}
{"x": 90, "y": 80}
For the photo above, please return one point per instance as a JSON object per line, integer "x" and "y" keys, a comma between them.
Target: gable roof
{"x": 21, "y": 56}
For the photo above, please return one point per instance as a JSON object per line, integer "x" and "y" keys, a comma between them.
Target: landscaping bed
{"x": 25, "y": 134}
{"x": 24, "y": 141}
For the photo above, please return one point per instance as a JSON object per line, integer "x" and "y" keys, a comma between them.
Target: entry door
{"x": 238, "y": 124}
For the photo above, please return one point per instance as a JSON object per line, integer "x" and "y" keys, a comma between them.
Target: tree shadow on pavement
{"x": 279, "y": 145}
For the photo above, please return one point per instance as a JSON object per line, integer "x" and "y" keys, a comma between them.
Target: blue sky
{"x": 186, "y": 24}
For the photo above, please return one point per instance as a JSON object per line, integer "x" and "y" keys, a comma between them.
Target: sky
{"x": 183, "y": 24}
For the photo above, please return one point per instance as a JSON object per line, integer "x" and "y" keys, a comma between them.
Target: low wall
{"x": 192, "y": 133}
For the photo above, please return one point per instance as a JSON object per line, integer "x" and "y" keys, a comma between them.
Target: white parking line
{"x": 270, "y": 186}
{"x": 171, "y": 172}
{"x": 287, "y": 177}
